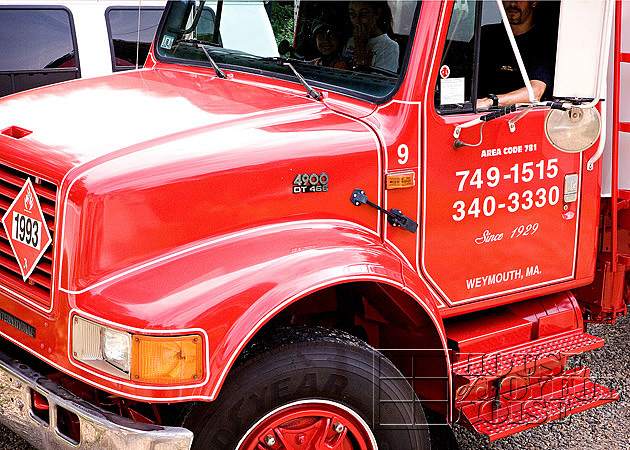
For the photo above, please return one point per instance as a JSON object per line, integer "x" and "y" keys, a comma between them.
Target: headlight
{"x": 146, "y": 359}
{"x": 101, "y": 347}
{"x": 116, "y": 348}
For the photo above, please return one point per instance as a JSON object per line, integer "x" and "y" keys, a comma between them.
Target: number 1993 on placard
{"x": 27, "y": 230}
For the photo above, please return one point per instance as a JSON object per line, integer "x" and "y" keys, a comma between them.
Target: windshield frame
{"x": 277, "y": 71}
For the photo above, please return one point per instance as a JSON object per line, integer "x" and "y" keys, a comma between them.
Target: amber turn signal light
{"x": 400, "y": 180}
{"x": 167, "y": 359}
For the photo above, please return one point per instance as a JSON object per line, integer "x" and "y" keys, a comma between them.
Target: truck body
{"x": 265, "y": 253}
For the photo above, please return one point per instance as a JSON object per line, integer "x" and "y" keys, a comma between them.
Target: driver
{"x": 500, "y": 80}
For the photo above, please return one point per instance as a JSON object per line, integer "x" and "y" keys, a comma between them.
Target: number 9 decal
{"x": 403, "y": 154}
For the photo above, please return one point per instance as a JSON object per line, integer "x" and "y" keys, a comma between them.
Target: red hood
{"x": 85, "y": 120}
{"x": 170, "y": 153}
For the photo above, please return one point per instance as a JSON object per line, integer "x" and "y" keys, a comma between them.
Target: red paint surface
{"x": 176, "y": 213}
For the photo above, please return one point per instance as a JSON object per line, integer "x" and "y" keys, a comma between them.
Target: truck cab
{"x": 318, "y": 235}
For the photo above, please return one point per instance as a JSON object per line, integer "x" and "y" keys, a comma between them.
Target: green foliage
{"x": 282, "y": 21}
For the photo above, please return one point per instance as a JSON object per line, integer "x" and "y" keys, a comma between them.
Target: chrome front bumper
{"x": 99, "y": 429}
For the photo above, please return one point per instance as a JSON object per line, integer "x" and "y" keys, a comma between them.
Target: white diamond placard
{"x": 26, "y": 229}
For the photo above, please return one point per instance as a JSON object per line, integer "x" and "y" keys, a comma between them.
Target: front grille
{"x": 38, "y": 285}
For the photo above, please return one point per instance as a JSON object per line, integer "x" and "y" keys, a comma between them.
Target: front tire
{"x": 313, "y": 389}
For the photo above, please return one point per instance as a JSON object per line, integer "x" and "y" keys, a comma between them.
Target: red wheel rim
{"x": 310, "y": 425}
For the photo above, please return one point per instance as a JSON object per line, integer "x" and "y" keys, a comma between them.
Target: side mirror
{"x": 284, "y": 47}
{"x": 573, "y": 131}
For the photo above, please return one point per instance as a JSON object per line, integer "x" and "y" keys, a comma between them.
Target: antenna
{"x": 138, "y": 37}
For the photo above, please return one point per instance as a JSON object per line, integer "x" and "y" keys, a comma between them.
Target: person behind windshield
{"x": 329, "y": 39}
{"x": 370, "y": 45}
{"x": 500, "y": 80}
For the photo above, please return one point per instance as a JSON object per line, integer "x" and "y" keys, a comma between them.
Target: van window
{"x": 122, "y": 25}
{"x": 38, "y": 47}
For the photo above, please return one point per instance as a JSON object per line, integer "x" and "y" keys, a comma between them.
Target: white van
{"x": 48, "y": 41}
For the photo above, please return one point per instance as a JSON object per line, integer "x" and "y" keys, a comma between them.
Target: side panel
{"x": 499, "y": 205}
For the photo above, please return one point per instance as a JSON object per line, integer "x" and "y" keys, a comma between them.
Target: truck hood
{"x": 178, "y": 157}
{"x": 75, "y": 123}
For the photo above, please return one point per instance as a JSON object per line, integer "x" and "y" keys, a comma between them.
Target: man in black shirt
{"x": 500, "y": 80}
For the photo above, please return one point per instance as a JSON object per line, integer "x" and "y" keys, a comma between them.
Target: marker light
{"x": 167, "y": 359}
{"x": 400, "y": 180}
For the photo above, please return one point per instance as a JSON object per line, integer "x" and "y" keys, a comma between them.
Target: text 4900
{"x": 303, "y": 182}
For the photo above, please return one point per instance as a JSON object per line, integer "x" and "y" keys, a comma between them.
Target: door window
{"x": 478, "y": 60}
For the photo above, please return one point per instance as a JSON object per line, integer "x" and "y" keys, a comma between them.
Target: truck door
{"x": 500, "y": 211}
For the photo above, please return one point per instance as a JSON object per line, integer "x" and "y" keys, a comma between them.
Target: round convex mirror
{"x": 573, "y": 131}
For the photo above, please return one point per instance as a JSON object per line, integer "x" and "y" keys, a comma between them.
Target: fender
{"x": 231, "y": 297}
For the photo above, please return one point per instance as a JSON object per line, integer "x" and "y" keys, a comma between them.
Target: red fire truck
{"x": 239, "y": 248}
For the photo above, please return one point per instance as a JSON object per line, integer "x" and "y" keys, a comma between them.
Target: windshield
{"x": 357, "y": 48}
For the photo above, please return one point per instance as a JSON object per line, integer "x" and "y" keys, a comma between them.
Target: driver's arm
{"x": 517, "y": 96}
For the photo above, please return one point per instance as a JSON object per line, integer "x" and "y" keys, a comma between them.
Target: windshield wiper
{"x": 288, "y": 62}
{"x": 195, "y": 42}
{"x": 201, "y": 44}
{"x": 312, "y": 92}
{"x": 215, "y": 66}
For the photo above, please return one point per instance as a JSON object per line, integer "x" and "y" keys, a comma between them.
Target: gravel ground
{"x": 10, "y": 441}
{"x": 603, "y": 428}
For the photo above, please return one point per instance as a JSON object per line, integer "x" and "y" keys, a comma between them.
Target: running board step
{"x": 535, "y": 404}
{"x": 525, "y": 357}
